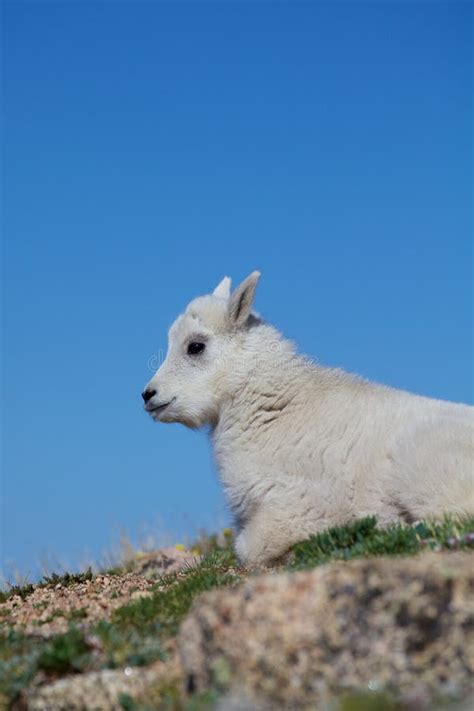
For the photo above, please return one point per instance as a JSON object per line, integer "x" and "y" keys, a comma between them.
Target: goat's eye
{"x": 195, "y": 348}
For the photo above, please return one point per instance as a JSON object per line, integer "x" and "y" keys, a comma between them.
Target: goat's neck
{"x": 266, "y": 390}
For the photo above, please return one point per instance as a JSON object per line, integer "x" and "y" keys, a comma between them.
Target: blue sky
{"x": 149, "y": 149}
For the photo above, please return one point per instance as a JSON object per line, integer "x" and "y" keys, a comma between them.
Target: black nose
{"x": 148, "y": 394}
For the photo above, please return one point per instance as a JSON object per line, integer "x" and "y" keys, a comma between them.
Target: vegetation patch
{"x": 65, "y": 654}
{"x": 18, "y": 664}
{"x": 364, "y": 539}
{"x": 174, "y": 594}
{"x": 134, "y": 646}
{"x": 139, "y": 632}
{"x": 134, "y": 636}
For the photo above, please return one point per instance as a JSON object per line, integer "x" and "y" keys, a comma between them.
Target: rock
{"x": 104, "y": 690}
{"x": 401, "y": 626}
{"x": 162, "y": 562}
{"x": 236, "y": 701}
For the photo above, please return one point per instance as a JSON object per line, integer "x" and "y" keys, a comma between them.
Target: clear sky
{"x": 151, "y": 148}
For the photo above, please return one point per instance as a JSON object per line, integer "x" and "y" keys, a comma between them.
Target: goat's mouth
{"x": 158, "y": 408}
{"x": 155, "y": 410}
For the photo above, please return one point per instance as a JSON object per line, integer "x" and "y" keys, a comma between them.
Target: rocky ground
{"x": 48, "y": 610}
{"x": 358, "y": 619}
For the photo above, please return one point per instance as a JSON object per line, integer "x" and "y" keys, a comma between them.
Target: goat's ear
{"x": 240, "y": 303}
{"x": 223, "y": 288}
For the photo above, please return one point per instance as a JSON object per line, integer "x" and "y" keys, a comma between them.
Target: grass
{"x": 137, "y": 632}
{"x": 134, "y": 647}
{"x": 363, "y": 539}
{"x": 167, "y": 608}
{"x": 18, "y": 664}
{"x": 65, "y": 654}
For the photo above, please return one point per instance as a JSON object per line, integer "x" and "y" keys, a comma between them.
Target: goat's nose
{"x": 148, "y": 394}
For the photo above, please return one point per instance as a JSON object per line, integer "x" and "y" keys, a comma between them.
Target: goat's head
{"x": 206, "y": 350}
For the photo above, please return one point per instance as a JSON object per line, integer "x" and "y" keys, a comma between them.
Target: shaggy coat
{"x": 301, "y": 447}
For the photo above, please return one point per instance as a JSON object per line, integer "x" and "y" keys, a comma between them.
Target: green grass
{"x": 363, "y": 539}
{"x": 167, "y": 608}
{"x": 18, "y": 664}
{"x": 65, "y": 654}
{"x": 134, "y": 646}
{"x": 137, "y": 632}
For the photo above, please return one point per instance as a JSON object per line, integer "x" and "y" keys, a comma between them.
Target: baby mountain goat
{"x": 301, "y": 447}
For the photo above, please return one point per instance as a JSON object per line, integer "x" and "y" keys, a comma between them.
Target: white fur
{"x": 301, "y": 447}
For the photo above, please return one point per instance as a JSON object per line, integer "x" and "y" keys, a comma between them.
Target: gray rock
{"x": 163, "y": 562}
{"x": 401, "y": 626}
{"x": 101, "y": 691}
